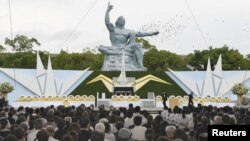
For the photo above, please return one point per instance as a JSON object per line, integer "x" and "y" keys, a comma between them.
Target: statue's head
{"x": 120, "y": 21}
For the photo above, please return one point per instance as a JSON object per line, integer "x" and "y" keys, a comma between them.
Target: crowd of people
{"x": 115, "y": 124}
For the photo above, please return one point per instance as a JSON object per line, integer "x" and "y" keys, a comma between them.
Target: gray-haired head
{"x": 100, "y": 127}
{"x": 124, "y": 134}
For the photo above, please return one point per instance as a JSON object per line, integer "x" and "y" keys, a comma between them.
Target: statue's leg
{"x": 110, "y": 50}
{"x": 138, "y": 54}
{"x": 136, "y": 48}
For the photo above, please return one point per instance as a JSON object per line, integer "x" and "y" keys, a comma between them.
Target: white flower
{"x": 6, "y": 87}
{"x": 239, "y": 89}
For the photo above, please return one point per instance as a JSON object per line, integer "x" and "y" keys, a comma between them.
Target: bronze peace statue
{"x": 122, "y": 40}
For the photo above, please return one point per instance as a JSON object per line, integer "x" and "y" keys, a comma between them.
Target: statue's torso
{"x": 119, "y": 37}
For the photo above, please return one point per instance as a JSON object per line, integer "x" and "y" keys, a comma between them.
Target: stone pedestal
{"x": 114, "y": 63}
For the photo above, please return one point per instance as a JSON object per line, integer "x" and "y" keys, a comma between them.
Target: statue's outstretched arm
{"x": 109, "y": 25}
{"x": 143, "y": 34}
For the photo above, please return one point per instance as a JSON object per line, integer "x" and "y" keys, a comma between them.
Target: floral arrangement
{"x": 6, "y": 87}
{"x": 239, "y": 89}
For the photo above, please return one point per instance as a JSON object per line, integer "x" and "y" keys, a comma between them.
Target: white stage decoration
{"x": 54, "y": 100}
{"x": 216, "y": 83}
{"x": 41, "y": 82}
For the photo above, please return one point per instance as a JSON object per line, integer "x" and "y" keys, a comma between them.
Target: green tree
{"x": 248, "y": 57}
{"x": 21, "y": 43}
{"x": 2, "y": 49}
{"x": 161, "y": 60}
{"x": 77, "y": 61}
{"x": 232, "y": 59}
{"x": 145, "y": 43}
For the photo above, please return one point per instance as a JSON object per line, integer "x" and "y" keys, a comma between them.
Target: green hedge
{"x": 151, "y": 86}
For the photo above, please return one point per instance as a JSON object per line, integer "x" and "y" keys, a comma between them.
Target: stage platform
{"x": 119, "y": 101}
{"x": 144, "y": 103}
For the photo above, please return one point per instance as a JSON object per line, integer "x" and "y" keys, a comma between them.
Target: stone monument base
{"x": 114, "y": 63}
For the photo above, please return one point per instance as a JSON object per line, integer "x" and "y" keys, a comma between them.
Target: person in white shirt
{"x": 171, "y": 118}
{"x": 129, "y": 120}
{"x": 176, "y": 117}
{"x": 164, "y": 113}
{"x": 38, "y": 126}
{"x": 138, "y": 132}
{"x": 138, "y": 113}
{"x": 183, "y": 119}
{"x": 108, "y": 134}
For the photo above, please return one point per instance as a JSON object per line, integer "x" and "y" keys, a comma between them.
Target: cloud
{"x": 64, "y": 34}
{"x": 51, "y": 22}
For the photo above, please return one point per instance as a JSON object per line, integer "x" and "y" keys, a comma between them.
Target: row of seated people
{"x": 123, "y": 124}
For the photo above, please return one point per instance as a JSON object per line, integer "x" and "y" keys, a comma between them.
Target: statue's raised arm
{"x": 109, "y": 25}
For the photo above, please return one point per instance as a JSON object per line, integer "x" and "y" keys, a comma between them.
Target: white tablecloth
{"x": 48, "y": 103}
{"x": 114, "y": 103}
{"x": 225, "y": 104}
{"x": 125, "y": 103}
{"x": 159, "y": 104}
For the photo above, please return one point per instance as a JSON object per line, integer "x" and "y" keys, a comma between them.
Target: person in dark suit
{"x": 164, "y": 99}
{"x": 2, "y": 102}
{"x": 190, "y": 99}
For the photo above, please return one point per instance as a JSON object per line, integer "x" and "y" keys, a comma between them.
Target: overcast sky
{"x": 51, "y": 22}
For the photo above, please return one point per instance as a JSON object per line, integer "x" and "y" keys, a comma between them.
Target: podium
{"x": 124, "y": 91}
{"x": 126, "y": 87}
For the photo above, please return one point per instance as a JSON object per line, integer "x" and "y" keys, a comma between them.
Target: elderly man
{"x": 170, "y": 132}
{"x": 124, "y": 134}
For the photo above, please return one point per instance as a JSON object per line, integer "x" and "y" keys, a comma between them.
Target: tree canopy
{"x": 2, "y": 49}
{"x": 21, "y": 43}
{"x": 161, "y": 60}
{"x": 145, "y": 44}
{"x": 154, "y": 59}
{"x": 232, "y": 59}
